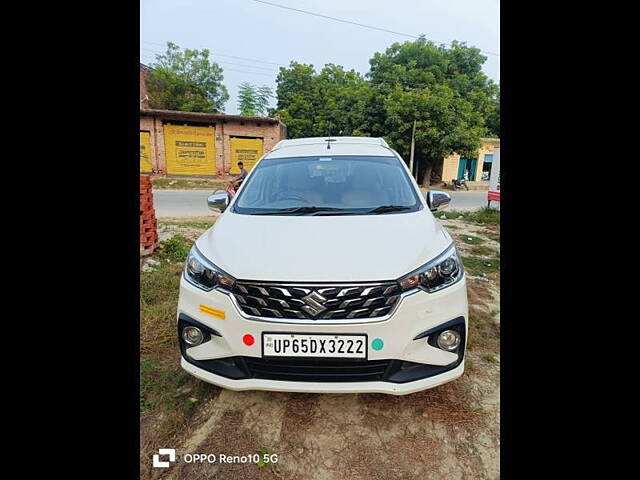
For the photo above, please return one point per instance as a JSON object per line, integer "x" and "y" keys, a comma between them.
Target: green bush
{"x": 175, "y": 248}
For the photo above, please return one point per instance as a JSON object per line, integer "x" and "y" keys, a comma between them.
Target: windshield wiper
{"x": 299, "y": 211}
{"x": 388, "y": 208}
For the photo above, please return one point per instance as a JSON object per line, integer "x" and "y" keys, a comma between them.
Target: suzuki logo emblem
{"x": 314, "y": 304}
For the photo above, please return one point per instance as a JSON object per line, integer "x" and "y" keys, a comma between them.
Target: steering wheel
{"x": 293, "y": 196}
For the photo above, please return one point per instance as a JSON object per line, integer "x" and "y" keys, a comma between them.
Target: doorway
{"x": 486, "y": 167}
{"x": 467, "y": 169}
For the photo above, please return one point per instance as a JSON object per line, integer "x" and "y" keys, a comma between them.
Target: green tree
{"x": 443, "y": 90}
{"x": 253, "y": 101}
{"x": 315, "y": 104}
{"x": 186, "y": 81}
{"x": 493, "y": 118}
{"x": 297, "y": 97}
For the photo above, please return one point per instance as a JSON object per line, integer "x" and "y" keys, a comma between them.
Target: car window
{"x": 342, "y": 185}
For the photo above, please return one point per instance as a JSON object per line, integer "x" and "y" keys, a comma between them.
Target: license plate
{"x": 315, "y": 345}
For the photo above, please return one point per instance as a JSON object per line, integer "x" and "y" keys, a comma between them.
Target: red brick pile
{"x": 148, "y": 223}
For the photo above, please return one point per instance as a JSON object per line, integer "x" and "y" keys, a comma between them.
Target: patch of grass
{"x": 146, "y": 403}
{"x": 169, "y": 396}
{"x": 493, "y": 236}
{"x": 158, "y": 303}
{"x": 166, "y": 387}
{"x": 188, "y": 183}
{"x": 159, "y": 296}
{"x": 484, "y": 333}
{"x": 187, "y": 223}
{"x": 483, "y": 216}
{"x": 490, "y": 357}
{"x": 175, "y": 249}
{"x": 479, "y": 265}
{"x": 478, "y": 292}
{"x": 487, "y": 216}
{"x": 158, "y": 384}
{"x": 484, "y": 251}
{"x": 470, "y": 239}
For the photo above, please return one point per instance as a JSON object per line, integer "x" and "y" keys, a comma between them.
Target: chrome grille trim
{"x": 351, "y": 307}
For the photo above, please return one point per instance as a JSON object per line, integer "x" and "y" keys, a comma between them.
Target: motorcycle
{"x": 459, "y": 184}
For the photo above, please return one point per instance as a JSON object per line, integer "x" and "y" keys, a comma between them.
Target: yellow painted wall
{"x": 450, "y": 168}
{"x": 145, "y": 153}
{"x": 245, "y": 150}
{"x": 189, "y": 150}
{"x": 451, "y": 163}
{"x": 487, "y": 148}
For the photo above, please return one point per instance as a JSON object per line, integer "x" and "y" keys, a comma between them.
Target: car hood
{"x": 323, "y": 248}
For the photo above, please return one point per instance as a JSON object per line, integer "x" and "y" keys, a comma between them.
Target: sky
{"x": 267, "y": 37}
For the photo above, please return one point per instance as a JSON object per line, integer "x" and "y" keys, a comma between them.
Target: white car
{"x": 327, "y": 272}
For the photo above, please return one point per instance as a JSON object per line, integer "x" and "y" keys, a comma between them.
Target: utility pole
{"x": 413, "y": 146}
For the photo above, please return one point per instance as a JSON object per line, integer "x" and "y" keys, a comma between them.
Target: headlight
{"x": 205, "y": 275}
{"x": 441, "y": 272}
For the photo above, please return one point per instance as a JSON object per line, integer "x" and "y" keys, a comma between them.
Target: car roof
{"x": 314, "y": 146}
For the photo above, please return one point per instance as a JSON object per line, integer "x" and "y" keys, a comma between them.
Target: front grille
{"x": 317, "y": 370}
{"x": 316, "y": 302}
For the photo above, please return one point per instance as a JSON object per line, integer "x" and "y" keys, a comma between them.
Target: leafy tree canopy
{"x": 443, "y": 90}
{"x": 493, "y": 118}
{"x": 252, "y": 100}
{"x": 317, "y": 104}
{"x": 186, "y": 81}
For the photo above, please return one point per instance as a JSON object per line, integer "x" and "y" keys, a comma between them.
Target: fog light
{"x": 449, "y": 340}
{"x": 192, "y": 335}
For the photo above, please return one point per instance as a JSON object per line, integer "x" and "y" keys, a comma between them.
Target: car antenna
{"x": 329, "y": 140}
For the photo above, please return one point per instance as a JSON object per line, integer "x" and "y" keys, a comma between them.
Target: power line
{"x": 228, "y": 56}
{"x": 242, "y": 71}
{"x": 248, "y": 66}
{"x": 149, "y": 60}
{"x": 337, "y": 19}
{"x": 228, "y": 63}
{"x": 354, "y": 23}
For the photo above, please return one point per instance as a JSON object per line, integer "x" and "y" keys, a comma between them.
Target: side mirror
{"x": 437, "y": 199}
{"x": 218, "y": 201}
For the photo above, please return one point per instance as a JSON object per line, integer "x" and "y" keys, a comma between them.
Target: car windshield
{"x": 344, "y": 185}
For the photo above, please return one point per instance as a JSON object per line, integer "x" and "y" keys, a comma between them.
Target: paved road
{"x": 193, "y": 203}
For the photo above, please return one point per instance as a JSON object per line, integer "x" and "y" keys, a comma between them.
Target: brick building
{"x": 144, "y": 96}
{"x": 201, "y": 144}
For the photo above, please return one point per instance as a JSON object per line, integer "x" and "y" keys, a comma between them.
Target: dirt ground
{"x": 451, "y": 431}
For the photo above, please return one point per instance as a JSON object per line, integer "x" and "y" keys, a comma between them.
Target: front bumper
{"x": 411, "y": 364}
{"x": 323, "y": 387}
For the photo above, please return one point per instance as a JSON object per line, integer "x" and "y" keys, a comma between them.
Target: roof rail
{"x": 333, "y": 140}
